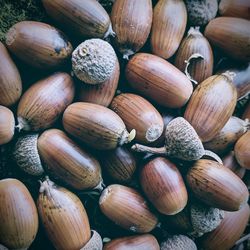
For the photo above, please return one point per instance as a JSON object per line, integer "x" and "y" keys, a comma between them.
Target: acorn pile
{"x": 124, "y": 124}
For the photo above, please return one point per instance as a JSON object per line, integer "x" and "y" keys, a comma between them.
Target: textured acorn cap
{"x": 93, "y": 61}
{"x": 178, "y": 242}
{"x": 205, "y": 219}
{"x": 95, "y": 242}
{"x": 26, "y": 154}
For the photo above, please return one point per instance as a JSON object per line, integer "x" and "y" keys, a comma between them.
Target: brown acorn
{"x": 155, "y": 78}
{"x": 10, "y": 79}
{"x": 42, "y": 104}
{"x": 65, "y": 160}
{"x": 163, "y": 185}
{"x": 131, "y": 20}
{"x": 167, "y": 30}
{"x": 217, "y": 186}
{"x": 138, "y": 113}
{"x": 127, "y": 208}
{"x": 95, "y": 125}
{"x": 208, "y": 110}
{"x": 38, "y": 44}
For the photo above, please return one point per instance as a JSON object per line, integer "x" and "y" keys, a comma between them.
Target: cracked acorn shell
{"x": 7, "y": 125}
{"x": 96, "y": 126}
{"x": 208, "y": 110}
{"x": 38, "y": 44}
{"x": 158, "y": 80}
{"x": 127, "y": 208}
{"x": 139, "y": 114}
{"x": 42, "y": 104}
{"x": 131, "y": 20}
{"x": 65, "y": 160}
{"x": 138, "y": 242}
{"x": 10, "y": 79}
{"x": 63, "y": 217}
{"x": 167, "y": 30}
{"x": 163, "y": 185}
{"x": 217, "y": 186}
{"x": 85, "y": 19}
{"x": 18, "y": 215}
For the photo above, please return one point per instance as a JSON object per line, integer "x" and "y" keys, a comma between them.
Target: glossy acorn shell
{"x": 65, "y": 160}
{"x": 231, "y": 35}
{"x": 228, "y": 232}
{"x": 63, "y": 216}
{"x": 208, "y": 110}
{"x": 101, "y": 94}
{"x": 127, "y": 208}
{"x": 242, "y": 150}
{"x": 10, "y": 79}
{"x": 7, "y": 125}
{"x": 95, "y": 125}
{"x": 131, "y": 21}
{"x": 40, "y": 45}
{"x": 163, "y": 185}
{"x": 85, "y": 19}
{"x": 42, "y": 104}
{"x": 18, "y": 215}
{"x": 158, "y": 80}
{"x": 139, "y": 114}
{"x": 140, "y": 242}
{"x": 217, "y": 186}
{"x": 167, "y": 30}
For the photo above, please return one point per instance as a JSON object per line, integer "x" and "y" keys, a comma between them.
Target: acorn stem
{"x": 213, "y": 155}
{"x": 126, "y": 53}
{"x": 229, "y": 74}
{"x": 46, "y": 185}
{"x": 109, "y": 32}
{"x": 145, "y": 149}
{"x": 194, "y": 31}
{"x": 127, "y": 137}
{"x": 22, "y": 124}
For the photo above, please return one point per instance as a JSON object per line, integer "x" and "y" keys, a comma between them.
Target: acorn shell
{"x": 167, "y": 30}
{"x": 38, "y": 44}
{"x": 157, "y": 79}
{"x": 42, "y": 104}
{"x": 131, "y": 20}
{"x": 10, "y": 79}
{"x": 208, "y": 110}
{"x": 26, "y": 154}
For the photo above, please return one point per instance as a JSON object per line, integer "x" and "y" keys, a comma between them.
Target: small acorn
{"x": 26, "y": 154}
{"x": 178, "y": 242}
{"x": 94, "y": 61}
{"x": 181, "y": 141}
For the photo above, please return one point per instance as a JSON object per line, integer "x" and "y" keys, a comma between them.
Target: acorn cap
{"x": 178, "y": 242}
{"x": 95, "y": 242}
{"x": 26, "y": 154}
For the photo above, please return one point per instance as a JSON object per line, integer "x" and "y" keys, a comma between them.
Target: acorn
{"x": 95, "y": 242}
{"x": 26, "y": 154}
{"x": 196, "y": 68}
{"x": 85, "y": 19}
{"x": 167, "y": 30}
{"x": 217, "y": 186}
{"x": 119, "y": 164}
{"x": 127, "y": 208}
{"x": 103, "y": 93}
{"x": 208, "y": 110}
{"x": 242, "y": 150}
{"x": 158, "y": 80}
{"x": 7, "y": 125}
{"x": 18, "y": 215}
{"x": 163, "y": 185}
{"x": 138, "y": 113}
{"x": 228, "y": 232}
{"x": 38, "y": 44}
{"x": 138, "y": 242}
{"x": 231, "y": 35}
{"x": 10, "y": 79}
{"x": 131, "y": 20}
{"x": 95, "y": 125}
{"x": 178, "y": 242}
{"x": 94, "y": 61}
{"x": 181, "y": 142}
{"x": 229, "y": 134}
{"x": 63, "y": 217}
{"x": 65, "y": 160}
{"x": 42, "y": 104}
